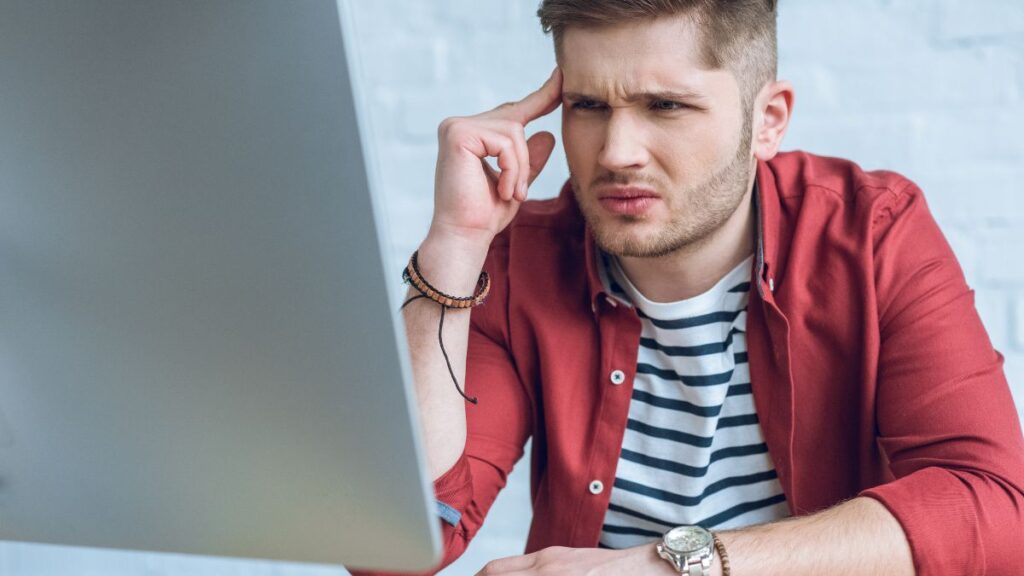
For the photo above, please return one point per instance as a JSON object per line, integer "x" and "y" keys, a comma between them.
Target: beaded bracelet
{"x": 412, "y": 276}
{"x": 720, "y": 548}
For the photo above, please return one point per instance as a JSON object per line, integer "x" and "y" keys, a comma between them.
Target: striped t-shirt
{"x": 693, "y": 451}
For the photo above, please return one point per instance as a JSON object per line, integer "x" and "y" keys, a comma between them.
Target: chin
{"x": 631, "y": 240}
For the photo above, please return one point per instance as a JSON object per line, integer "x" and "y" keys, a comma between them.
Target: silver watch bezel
{"x": 682, "y": 560}
{"x": 709, "y": 540}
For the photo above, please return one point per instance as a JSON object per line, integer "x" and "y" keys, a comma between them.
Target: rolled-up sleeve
{"x": 946, "y": 418}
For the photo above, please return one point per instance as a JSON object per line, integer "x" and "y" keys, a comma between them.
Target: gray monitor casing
{"x": 198, "y": 352}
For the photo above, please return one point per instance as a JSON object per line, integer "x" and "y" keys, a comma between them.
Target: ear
{"x": 772, "y": 110}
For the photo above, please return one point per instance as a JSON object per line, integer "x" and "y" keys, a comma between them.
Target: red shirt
{"x": 871, "y": 372}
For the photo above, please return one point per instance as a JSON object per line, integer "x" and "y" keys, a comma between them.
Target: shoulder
{"x": 800, "y": 173}
{"x": 810, "y": 185}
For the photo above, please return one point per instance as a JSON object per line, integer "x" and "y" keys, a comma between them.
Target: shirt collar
{"x": 767, "y": 210}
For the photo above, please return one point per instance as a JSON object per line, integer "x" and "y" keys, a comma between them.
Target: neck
{"x": 696, "y": 268}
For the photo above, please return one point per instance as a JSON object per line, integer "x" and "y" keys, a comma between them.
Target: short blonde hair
{"x": 737, "y": 34}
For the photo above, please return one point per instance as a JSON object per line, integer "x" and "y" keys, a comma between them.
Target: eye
{"x": 666, "y": 105}
{"x": 587, "y": 105}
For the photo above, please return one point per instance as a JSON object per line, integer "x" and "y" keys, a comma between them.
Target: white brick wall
{"x": 930, "y": 88}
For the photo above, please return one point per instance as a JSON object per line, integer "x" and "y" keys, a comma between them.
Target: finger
{"x": 492, "y": 174}
{"x": 500, "y": 146}
{"x": 523, "y": 155}
{"x": 515, "y": 131}
{"x": 540, "y": 146}
{"x": 541, "y": 102}
{"x": 508, "y": 163}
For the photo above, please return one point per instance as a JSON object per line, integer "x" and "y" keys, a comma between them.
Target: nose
{"x": 623, "y": 145}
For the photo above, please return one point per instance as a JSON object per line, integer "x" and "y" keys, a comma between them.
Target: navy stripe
{"x": 739, "y": 390}
{"x": 701, "y": 350}
{"x": 693, "y": 471}
{"x": 641, "y": 516}
{"x": 740, "y": 358}
{"x": 684, "y": 406}
{"x": 731, "y": 421}
{"x": 673, "y": 376}
{"x": 666, "y": 434}
{"x": 744, "y": 287}
{"x": 679, "y": 405}
{"x": 703, "y": 320}
{"x": 685, "y": 437}
{"x": 741, "y": 509}
{"x": 710, "y": 521}
{"x": 629, "y": 530}
{"x": 682, "y": 500}
{"x": 605, "y": 546}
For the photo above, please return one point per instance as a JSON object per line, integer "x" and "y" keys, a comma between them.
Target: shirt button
{"x": 596, "y": 487}
{"x": 618, "y": 377}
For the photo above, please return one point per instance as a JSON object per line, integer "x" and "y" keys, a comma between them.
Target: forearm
{"x": 859, "y": 537}
{"x": 452, "y": 269}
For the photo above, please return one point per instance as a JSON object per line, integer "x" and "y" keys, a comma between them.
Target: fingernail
{"x": 522, "y": 190}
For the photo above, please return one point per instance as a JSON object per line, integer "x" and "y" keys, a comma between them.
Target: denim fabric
{"x": 448, "y": 514}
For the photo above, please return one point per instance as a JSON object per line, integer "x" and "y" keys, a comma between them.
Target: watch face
{"x": 687, "y": 539}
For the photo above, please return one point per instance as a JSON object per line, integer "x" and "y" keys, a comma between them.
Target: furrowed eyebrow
{"x": 661, "y": 95}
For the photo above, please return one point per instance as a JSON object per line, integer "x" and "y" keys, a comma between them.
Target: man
{"x": 717, "y": 348}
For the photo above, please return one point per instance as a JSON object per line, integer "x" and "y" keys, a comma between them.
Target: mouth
{"x": 627, "y": 200}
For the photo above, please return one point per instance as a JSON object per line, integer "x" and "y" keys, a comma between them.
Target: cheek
{"x": 697, "y": 149}
{"x": 581, "y": 144}
{"x": 723, "y": 135}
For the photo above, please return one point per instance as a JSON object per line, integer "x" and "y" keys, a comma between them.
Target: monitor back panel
{"x": 196, "y": 348}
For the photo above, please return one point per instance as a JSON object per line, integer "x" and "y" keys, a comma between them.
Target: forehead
{"x": 663, "y": 54}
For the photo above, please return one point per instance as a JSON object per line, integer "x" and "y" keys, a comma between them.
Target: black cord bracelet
{"x": 411, "y": 275}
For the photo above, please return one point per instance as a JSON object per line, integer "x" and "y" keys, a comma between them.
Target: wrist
{"x": 452, "y": 263}
{"x": 472, "y": 240}
{"x": 651, "y": 564}
{"x": 655, "y": 564}
{"x": 716, "y": 566}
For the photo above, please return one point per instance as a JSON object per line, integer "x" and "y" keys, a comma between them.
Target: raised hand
{"x": 472, "y": 201}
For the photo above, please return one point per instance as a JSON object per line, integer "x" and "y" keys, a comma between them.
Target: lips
{"x": 627, "y": 200}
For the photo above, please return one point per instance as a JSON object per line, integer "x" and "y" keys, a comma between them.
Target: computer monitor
{"x": 198, "y": 353}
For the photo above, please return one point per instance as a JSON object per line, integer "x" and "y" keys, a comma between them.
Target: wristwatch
{"x": 690, "y": 550}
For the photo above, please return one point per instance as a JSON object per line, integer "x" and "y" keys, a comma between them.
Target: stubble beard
{"x": 706, "y": 208}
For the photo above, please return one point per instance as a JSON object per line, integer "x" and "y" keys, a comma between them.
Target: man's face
{"x": 658, "y": 147}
